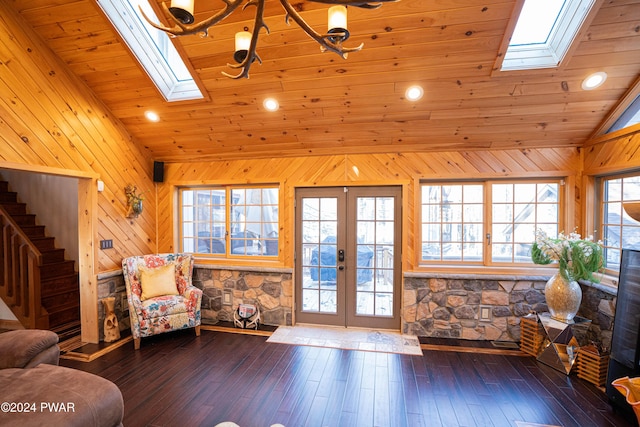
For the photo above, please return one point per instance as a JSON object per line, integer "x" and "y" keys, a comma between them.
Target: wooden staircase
{"x": 25, "y": 249}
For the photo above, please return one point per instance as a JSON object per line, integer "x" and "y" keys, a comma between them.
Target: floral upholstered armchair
{"x": 160, "y": 294}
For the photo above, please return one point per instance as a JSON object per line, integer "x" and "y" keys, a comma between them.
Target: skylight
{"x": 544, "y": 33}
{"x": 153, "y": 49}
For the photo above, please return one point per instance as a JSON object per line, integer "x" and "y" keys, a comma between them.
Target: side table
{"x": 561, "y": 341}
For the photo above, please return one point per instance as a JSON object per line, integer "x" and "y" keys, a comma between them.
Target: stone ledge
{"x": 604, "y": 287}
{"x": 471, "y": 276}
{"x": 244, "y": 268}
{"x": 109, "y": 274}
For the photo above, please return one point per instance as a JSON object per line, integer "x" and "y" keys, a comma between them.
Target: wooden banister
{"x": 20, "y": 274}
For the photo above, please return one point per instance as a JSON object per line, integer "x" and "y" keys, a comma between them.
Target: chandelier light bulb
{"x": 337, "y": 17}
{"x": 182, "y": 10}
{"x": 337, "y": 23}
{"x": 242, "y": 44}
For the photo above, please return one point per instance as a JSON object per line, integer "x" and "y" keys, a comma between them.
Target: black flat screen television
{"x": 625, "y": 345}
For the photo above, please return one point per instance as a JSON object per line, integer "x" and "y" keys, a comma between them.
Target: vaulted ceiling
{"x": 329, "y": 105}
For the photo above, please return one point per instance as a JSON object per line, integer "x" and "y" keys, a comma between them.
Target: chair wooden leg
{"x": 136, "y": 343}
{"x": 198, "y": 330}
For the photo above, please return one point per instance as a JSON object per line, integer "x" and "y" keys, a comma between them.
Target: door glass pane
{"x": 375, "y": 237}
{"x": 319, "y": 249}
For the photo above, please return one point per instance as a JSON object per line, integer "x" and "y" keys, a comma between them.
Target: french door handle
{"x": 341, "y": 255}
{"x": 341, "y": 267}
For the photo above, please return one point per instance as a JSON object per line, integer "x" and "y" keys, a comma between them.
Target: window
{"x": 544, "y": 33}
{"x": 460, "y": 221}
{"x": 617, "y": 229}
{"x": 518, "y": 210}
{"x": 229, "y": 221}
{"x": 152, "y": 47}
{"x": 452, "y": 222}
{"x": 630, "y": 117}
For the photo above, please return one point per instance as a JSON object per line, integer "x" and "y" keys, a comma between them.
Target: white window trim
{"x": 146, "y": 51}
{"x": 550, "y": 54}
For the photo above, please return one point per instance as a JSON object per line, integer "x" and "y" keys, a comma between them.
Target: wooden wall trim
{"x": 618, "y": 153}
{"x": 49, "y": 170}
{"x": 613, "y": 136}
{"x": 87, "y": 238}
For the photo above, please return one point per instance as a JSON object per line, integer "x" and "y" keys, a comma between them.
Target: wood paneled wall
{"x": 366, "y": 169}
{"x": 51, "y": 121}
{"x": 616, "y": 152}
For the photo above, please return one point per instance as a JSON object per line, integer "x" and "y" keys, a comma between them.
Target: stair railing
{"x": 20, "y": 275}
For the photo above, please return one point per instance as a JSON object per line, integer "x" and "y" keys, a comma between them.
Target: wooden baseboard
{"x": 459, "y": 349}
{"x": 236, "y": 330}
{"x": 88, "y": 357}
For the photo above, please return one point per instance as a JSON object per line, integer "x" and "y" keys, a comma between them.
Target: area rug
{"x": 347, "y": 338}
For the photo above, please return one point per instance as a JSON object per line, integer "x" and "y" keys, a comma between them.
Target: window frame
{"x": 487, "y": 224}
{"x": 573, "y": 19}
{"x": 600, "y": 212}
{"x": 228, "y": 209}
{"x": 160, "y": 59}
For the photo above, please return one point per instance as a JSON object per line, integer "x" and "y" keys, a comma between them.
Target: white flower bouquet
{"x": 577, "y": 258}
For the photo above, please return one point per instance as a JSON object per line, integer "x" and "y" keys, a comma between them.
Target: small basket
{"x": 531, "y": 335}
{"x": 592, "y": 366}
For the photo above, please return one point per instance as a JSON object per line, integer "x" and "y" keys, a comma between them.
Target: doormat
{"x": 526, "y": 424}
{"x": 347, "y": 339}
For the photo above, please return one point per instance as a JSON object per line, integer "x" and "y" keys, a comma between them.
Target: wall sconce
{"x": 134, "y": 201}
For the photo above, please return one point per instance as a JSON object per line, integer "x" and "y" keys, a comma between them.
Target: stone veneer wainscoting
{"x": 434, "y": 305}
{"x": 269, "y": 289}
{"x": 449, "y": 306}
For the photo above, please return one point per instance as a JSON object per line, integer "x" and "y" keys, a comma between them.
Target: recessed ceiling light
{"x": 152, "y": 116}
{"x": 414, "y": 93}
{"x": 594, "y": 80}
{"x": 270, "y": 104}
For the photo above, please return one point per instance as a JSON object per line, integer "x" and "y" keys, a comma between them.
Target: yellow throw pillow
{"x": 159, "y": 281}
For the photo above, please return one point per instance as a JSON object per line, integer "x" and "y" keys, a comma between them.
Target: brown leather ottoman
{"x": 26, "y": 348}
{"x": 49, "y": 395}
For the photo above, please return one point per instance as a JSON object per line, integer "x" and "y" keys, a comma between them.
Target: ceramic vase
{"x": 630, "y": 389}
{"x": 134, "y": 209}
{"x": 563, "y": 297}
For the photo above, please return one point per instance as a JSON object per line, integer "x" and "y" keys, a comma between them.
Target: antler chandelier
{"x": 181, "y": 14}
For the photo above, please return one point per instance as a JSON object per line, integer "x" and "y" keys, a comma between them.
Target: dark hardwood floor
{"x": 179, "y": 379}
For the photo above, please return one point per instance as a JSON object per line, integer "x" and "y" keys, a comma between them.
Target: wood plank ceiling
{"x": 330, "y": 105}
